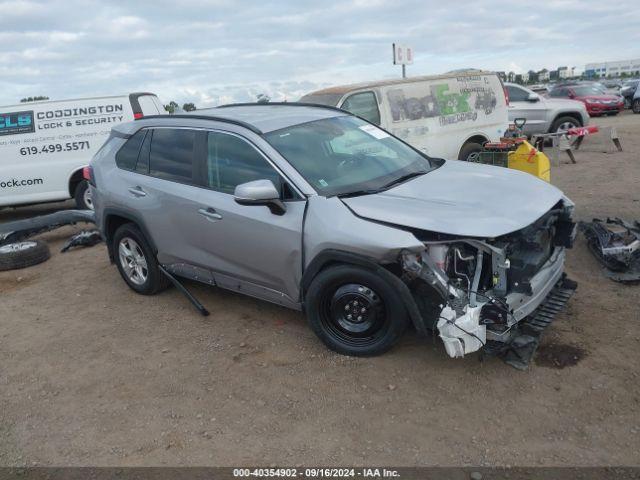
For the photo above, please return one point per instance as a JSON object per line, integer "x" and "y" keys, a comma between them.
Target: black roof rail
{"x": 233, "y": 121}
{"x": 285, "y": 104}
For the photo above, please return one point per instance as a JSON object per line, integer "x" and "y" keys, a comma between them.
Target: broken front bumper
{"x": 528, "y": 315}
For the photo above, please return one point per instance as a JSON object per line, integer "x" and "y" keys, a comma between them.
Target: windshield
{"x": 346, "y": 155}
{"x": 585, "y": 91}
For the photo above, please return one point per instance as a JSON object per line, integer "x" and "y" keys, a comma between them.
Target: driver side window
{"x": 232, "y": 161}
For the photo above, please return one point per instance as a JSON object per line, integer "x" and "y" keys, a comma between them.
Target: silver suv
{"x": 544, "y": 115}
{"x": 318, "y": 210}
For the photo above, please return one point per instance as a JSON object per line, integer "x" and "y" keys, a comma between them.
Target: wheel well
{"x": 111, "y": 224}
{"x": 74, "y": 181}
{"x": 575, "y": 115}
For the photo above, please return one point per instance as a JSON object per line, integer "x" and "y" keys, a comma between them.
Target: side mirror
{"x": 519, "y": 122}
{"x": 260, "y": 192}
{"x": 533, "y": 97}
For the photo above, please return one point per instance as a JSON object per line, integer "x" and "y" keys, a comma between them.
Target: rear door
{"x": 164, "y": 188}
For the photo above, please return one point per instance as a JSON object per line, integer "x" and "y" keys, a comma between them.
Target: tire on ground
{"x": 560, "y": 120}
{"x": 23, "y": 254}
{"x": 468, "y": 149}
{"x": 79, "y": 196}
{"x": 156, "y": 280}
{"x": 317, "y": 307}
{"x": 636, "y": 105}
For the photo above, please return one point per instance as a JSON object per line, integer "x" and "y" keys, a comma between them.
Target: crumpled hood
{"x": 461, "y": 198}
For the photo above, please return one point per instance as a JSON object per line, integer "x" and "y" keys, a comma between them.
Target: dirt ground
{"x": 93, "y": 374}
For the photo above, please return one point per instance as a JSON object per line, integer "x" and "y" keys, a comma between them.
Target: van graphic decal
{"x": 449, "y": 105}
{"x": 16, "y": 122}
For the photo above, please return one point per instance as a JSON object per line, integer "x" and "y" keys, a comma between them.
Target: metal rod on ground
{"x": 194, "y": 301}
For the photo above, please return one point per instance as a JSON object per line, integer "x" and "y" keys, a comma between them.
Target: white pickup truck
{"x": 45, "y": 145}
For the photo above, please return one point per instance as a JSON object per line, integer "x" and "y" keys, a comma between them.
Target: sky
{"x": 211, "y": 52}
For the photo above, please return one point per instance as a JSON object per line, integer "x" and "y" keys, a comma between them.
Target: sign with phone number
{"x": 55, "y": 147}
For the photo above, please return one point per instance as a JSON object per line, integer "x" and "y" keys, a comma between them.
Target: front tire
{"x": 468, "y": 149}
{"x": 136, "y": 261}
{"x": 354, "y": 311}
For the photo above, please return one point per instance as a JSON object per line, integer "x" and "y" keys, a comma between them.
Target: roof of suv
{"x": 260, "y": 118}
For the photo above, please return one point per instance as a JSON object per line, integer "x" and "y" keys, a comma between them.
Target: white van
{"x": 447, "y": 116}
{"x": 45, "y": 145}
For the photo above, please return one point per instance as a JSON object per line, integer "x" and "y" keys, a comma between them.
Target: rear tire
{"x": 469, "y": 149}
{"x": 354, "y": 311}
{"x": 23, "y": 254}
{"x": 83, "y": 196}
{"x": 136, "y": 261}
{"x": 564, "y": 123}
{"x": 636, "y": 105}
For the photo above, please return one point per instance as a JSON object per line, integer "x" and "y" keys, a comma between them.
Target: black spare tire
{"x": 23, "y": 254}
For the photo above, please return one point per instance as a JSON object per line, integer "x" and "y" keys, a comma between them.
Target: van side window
{"x": 172, "y": 153}
{"x": 127, "y": 156}
{"x": 364, "y": 105}
{"x": 232, "y": 161}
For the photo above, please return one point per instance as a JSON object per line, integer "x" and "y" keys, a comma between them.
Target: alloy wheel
{"x": 133, "y": 261}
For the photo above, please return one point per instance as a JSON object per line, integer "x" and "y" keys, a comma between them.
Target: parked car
{"x": 628, "y": 91}
{"x": 544, "y": 115}
{"x": 542, "y": 89}
{"x": 597, "y": 103}
{"x": 45, "y": 145}
{"x": 635, "y": 104}
{"x": 447, "y": 116}
{"x": 321, "y": 211}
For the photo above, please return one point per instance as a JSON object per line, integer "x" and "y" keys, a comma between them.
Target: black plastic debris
{"x": 85, "y": 238}
{"x": 616, "y": 245}
{"x": 520, "y": 350}
{"x": 17, "y": 230}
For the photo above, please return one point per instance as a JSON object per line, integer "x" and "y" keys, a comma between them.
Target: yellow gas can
{"x": 528, "y": 159}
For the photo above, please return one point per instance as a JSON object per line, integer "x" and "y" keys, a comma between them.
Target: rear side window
{"x": 364, "y": 105}
{"x": 558, "y": 92}
{"x": 232, "y": 161}
{"x": 127, "y": 156}
{"x": 172, "y": 154}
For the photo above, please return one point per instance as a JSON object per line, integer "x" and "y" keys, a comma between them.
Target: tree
{"x": 171, "y": 108}
{"x": 263, "y": 98}
{"x": 34, "y": 99}
{"x": 188, "y": 107}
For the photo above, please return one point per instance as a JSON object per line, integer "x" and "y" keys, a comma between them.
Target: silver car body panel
{"x": 542, "y": 113}
{"x": 461, "y": 198}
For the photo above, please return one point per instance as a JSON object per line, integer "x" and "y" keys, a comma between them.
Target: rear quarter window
{"x": 127, "y": 156}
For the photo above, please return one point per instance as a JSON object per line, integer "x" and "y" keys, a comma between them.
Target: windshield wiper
{"x": 402, "y": 179}
{"x": 357, "y": 193}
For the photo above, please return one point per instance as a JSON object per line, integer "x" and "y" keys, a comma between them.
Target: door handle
{"x": 137, "y": 192}
{"x": 210, "y": 214}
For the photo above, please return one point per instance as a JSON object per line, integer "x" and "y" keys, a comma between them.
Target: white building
{"x": 565, "y": 72}
{"x": 543, "y": 75}
{"x": 614, "y": 69}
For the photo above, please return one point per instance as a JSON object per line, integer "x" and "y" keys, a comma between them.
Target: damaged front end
{"x": 495, "y": 294}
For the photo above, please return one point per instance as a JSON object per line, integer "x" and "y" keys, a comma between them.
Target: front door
{"x": 249, "y": 249}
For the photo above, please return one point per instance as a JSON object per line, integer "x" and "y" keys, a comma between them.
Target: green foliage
{"x": 171, "y": 108}
{"x": 188, "y": 107}
{"x": 34, "y": 99}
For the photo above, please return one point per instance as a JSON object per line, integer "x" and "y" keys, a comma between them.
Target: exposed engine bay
{"x": 493, "y": 294}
